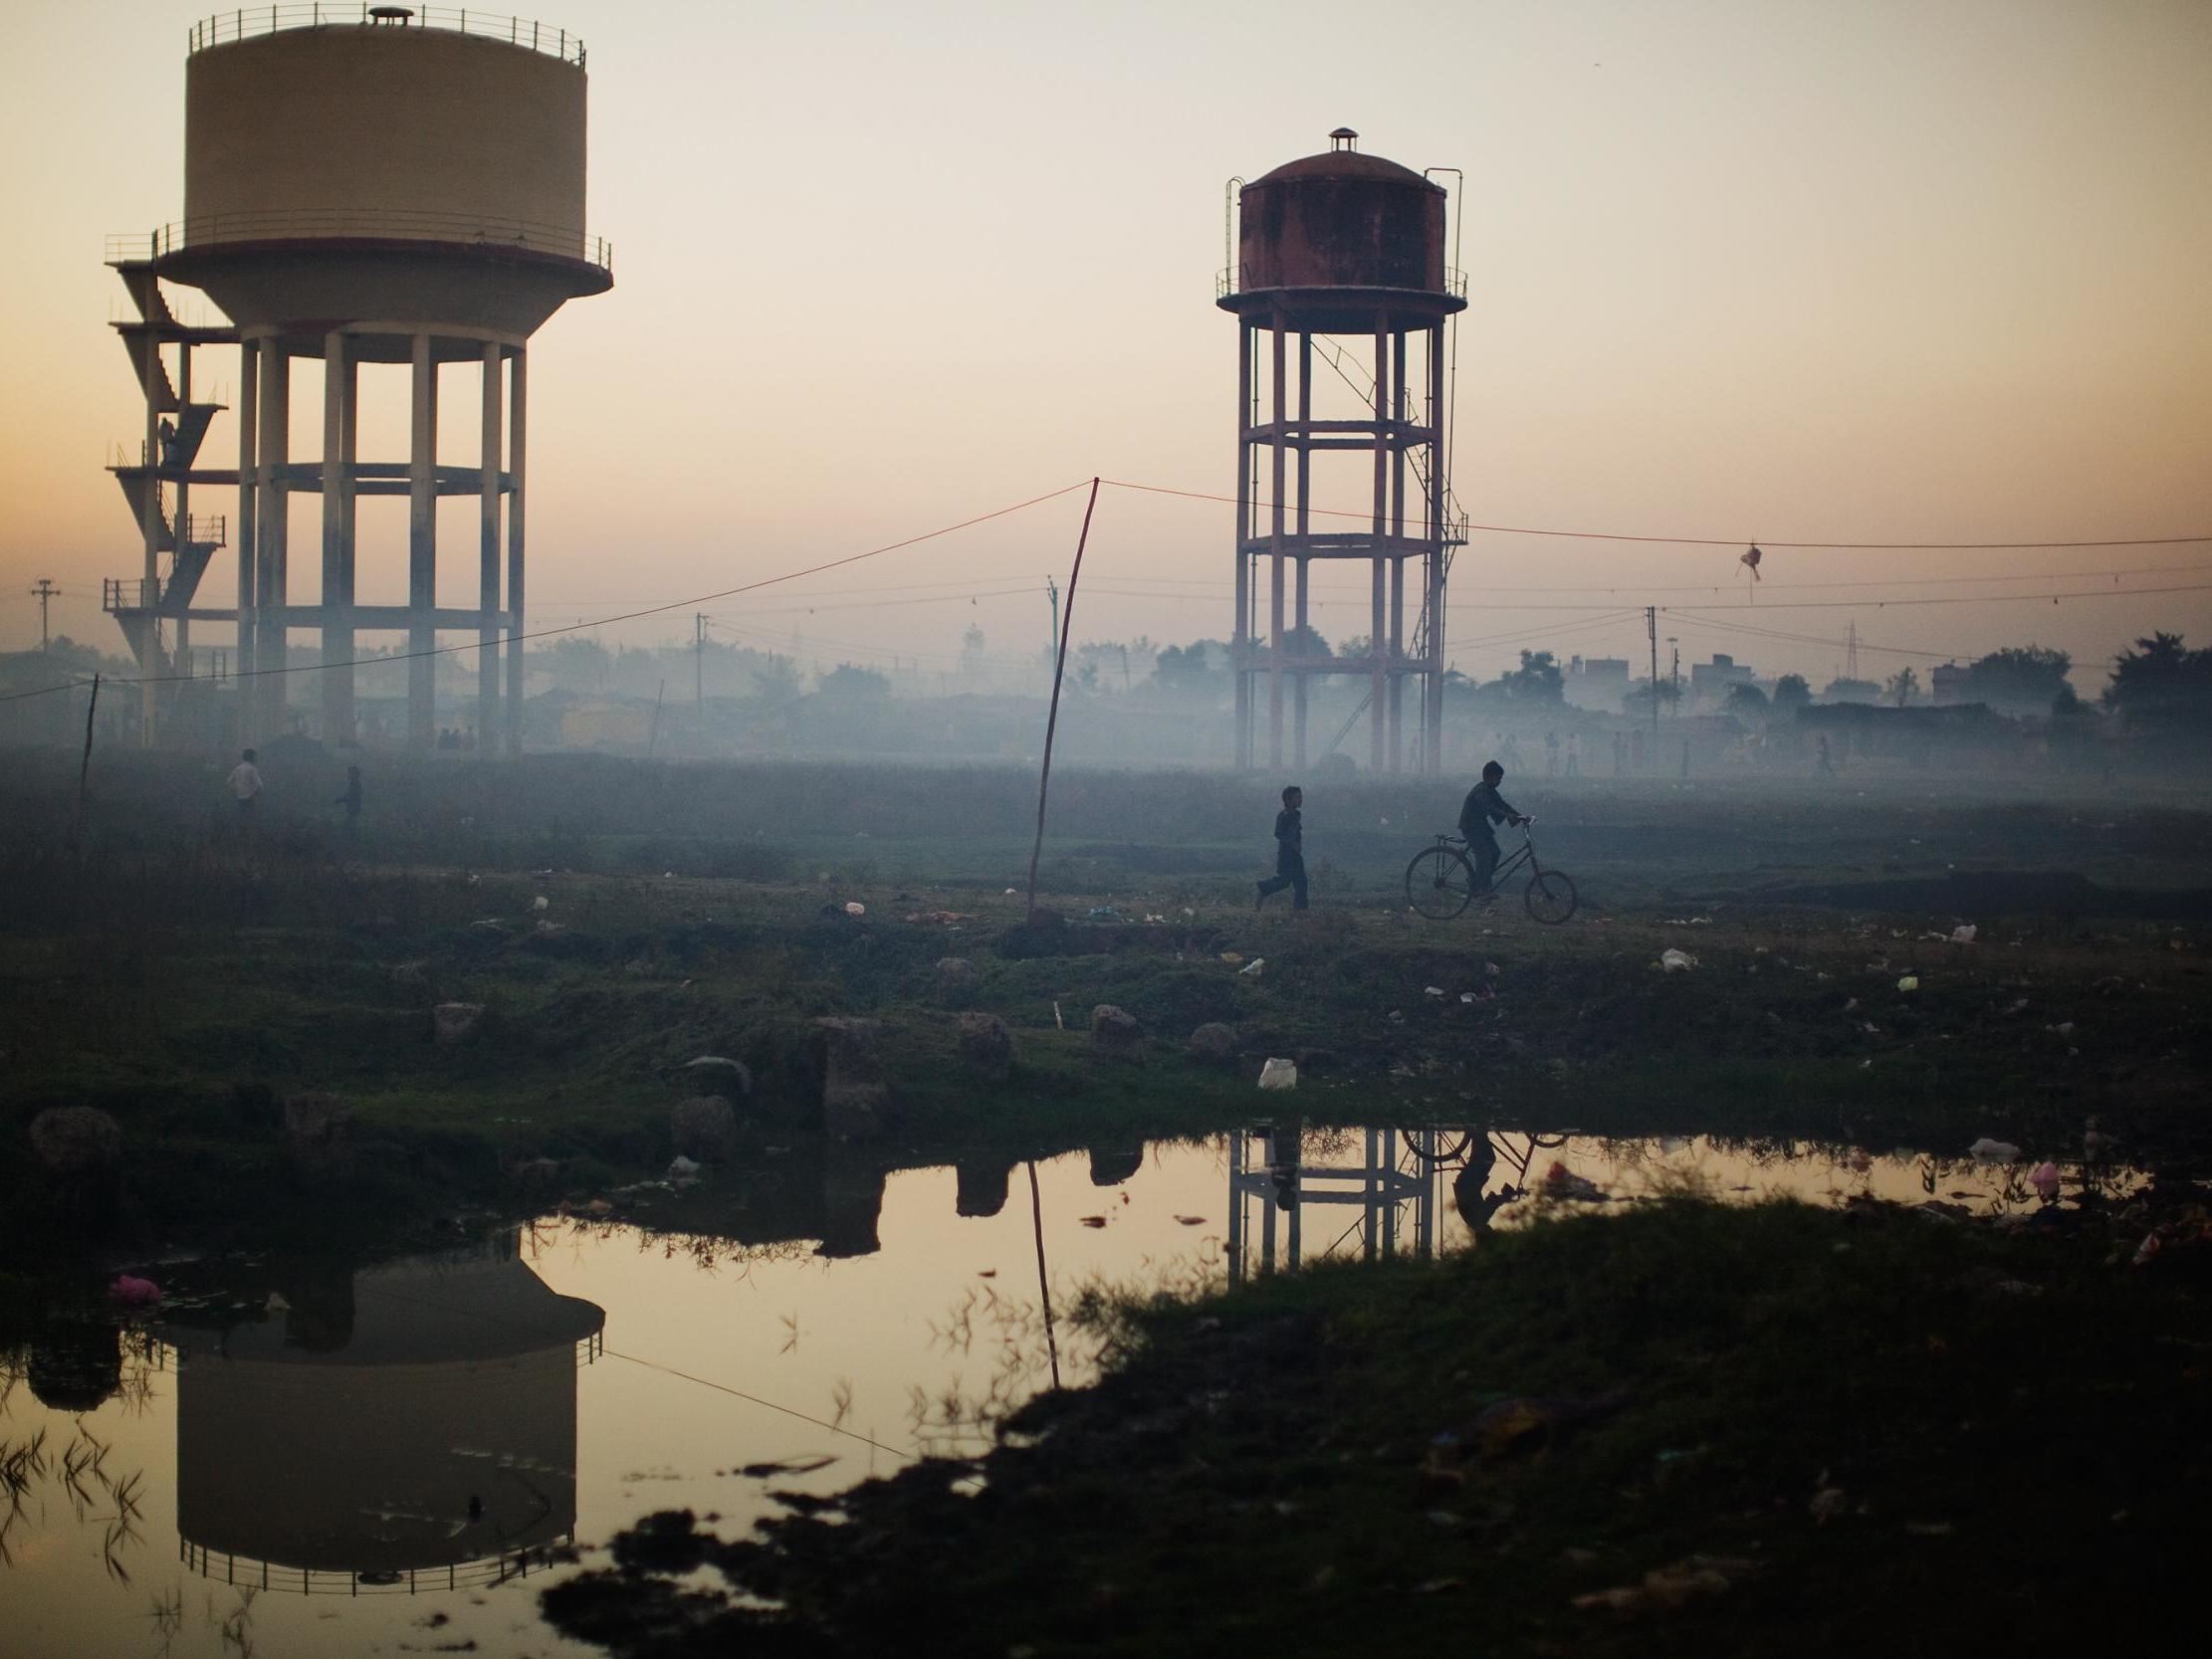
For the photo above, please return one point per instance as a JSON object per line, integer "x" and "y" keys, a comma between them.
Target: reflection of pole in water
{"x": 1044, "y": 1286}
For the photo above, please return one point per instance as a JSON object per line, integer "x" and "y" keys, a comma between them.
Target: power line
{"x": 1703, "y": 540}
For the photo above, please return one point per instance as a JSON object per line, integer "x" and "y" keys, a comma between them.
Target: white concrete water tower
{"x": 365, "y": 185}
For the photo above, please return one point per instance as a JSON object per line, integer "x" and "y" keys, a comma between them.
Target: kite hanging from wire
{"x": 1750, "y": 561}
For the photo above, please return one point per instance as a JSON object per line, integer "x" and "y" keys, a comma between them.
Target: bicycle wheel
{"x": 1551, "y": 896}
{"x": 1439, "y": 884}
{"x": 1434, "y": 1146}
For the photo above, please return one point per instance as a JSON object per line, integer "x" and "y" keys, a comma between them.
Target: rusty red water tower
{"x": 1340, "y": 258}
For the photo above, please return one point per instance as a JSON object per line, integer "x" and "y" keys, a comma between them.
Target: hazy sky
{"x": 1806, "y": 270}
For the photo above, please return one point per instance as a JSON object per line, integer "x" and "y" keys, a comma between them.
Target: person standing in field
{"x": 1483, "y": 807}
{"x": 1290, "y": 854}
{"x": 245, "y": 784}
{"x": 351, "y": 799}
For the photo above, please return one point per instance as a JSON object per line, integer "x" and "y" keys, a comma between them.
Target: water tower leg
{"x": 1397, "y": 658}
{"x": 422, "y": 552}
{"x": 337, "y": 604}
{"x": 1440, "y": 499}
{"x": 1378, "y": 689}
{"x": 249, "y": 415}
{"x": 150, "y": 527}
{"x": 1279, "y": 454}
{"x": 516, "y": 408}
{"x": 1299, "y": 683}
{"x": 271, "y": 579}
{"x": 488, "y": 561}
{"x": 1240, "y": 637}
{"x": 1304, "y": 527}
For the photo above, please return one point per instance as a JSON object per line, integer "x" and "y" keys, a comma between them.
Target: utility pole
{"x": 699, "y": 663}
{"x": 1675, "y": 674}
{"x": 1053, "y": 588}
{"x": 43, "y": 593}
{"x": 1651, "y": 632}
{"x": 1851, "y": 652}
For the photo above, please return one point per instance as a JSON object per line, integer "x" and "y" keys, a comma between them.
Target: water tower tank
{"x": 1342, "y": 219}
{"x": 367, "y": 169}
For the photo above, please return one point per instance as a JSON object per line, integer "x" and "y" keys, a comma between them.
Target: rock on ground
{"x": 704, "y": 1127}
{"x": 985, "y": 1042}
{"x": 1214, "y": 1044}
{"x": 711, "y": 1073}
{"x": 856, "y": 1095}
{"x": 1115, "y": 1029}
{"x": 76, "y": 1140}
{"x": 957, "y": 980}
{"x": 453, "y": 1023}
{"x": 317, "y": 1133}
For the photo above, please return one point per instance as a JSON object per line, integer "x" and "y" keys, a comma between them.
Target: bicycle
{"x": 1440, "y": 882}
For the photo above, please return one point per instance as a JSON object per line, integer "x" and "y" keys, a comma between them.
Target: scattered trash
{"x": 1672, "y": 961}
{"x": 1466, "y": 997}
{"x": 1092, "y": 1220}
{"x": 1562, "y": 1182}
{"x": 1190, "y": 1220}
{"x": 939, "y": 918}
{"x": 275, "y": 1304}
{"x": 1910, "y": 983}
{"x": 1436, "y": 992}
{"x": 1986, "y": 1150}
{"x": 2045, "y": 1180}
{"x": 2146, "y": 1251}
{"x": 1280, "y": 1073}
{"x": 1669, "y": 1589}
{"x": 1231, "y": 958}
{"x": 1250, "y": 970}
{"x": 1058, "y": 1024}
{"x": 1827, "y": 1504}
{"x": 682, "y": 1170}
{"x": 1012, "y": 891}
{"x": 540, "y": 903}
{"x": 854, "y": 907}
{"x": 133, "y": 1292}
{"x": 1103, "y": 913}
{"x": 1964, "y": 934}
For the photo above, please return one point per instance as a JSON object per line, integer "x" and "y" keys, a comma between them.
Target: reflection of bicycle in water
{"x": 1477, "y": 1153}
{"x": 1440, "y": 882}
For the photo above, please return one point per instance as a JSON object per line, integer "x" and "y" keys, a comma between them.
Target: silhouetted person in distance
{"x": 1826, "y": 766}
{"x": 245, "y": 784}
{"x": 1290, "y": 854}
{"x": 1619, "y": 755}
{"x": 1551, "y": 755}
{"x": 351, "y": 799}
{"x": 1483, "y": 807}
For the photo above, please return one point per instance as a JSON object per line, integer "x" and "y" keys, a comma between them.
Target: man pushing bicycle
{"x": 1483, "y": 807}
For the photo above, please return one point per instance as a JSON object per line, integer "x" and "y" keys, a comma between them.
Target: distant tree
{"x": 848, "y": 684}
{"x": 972, "y": 649}
{"x": 1903, "y": 685}
{"x": 1183, "y": 672}
{"x": 775, "y": 680}
{"x": 1536, "y": 682}
{"x": 1637, "y": 699}
{"x": 574, "y": 663}
{"x": 2163, "y": 688}
{"x": 1305, "y": 642}
{"x": 2017, "y": 679}
{"x": 1791, "y": 694}
{"x": 1841, "y": 690}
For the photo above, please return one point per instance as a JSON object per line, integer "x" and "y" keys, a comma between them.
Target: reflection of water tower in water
{"x": 412, "y": 1424}
{"x": 365, "y": 187}
{"x": 1340, "y": 256}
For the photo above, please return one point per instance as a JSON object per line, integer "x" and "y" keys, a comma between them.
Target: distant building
{"x": 1711, "y": 682}
{"x": 1597, "y": 681}
{"x": 1947, "y": 684}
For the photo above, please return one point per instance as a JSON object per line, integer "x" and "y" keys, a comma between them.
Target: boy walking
{"x": 1290, "y": 854}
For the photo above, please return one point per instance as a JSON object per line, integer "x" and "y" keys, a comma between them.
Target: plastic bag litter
{"x": 1280, "y": 1073}
{"x": 1250, "y": 970}
{"x": 2045, "y": 1180}
{"x": 854, "y": 907}
{"x": 1994, "y": 1151}
{"x": 1672, "y": 961}
{"x": 1231, "y": 958}
{"x": 1436, "y": 992}
{"x": 1910, "y": 983}
{"x": 540, "y": 903}
{"x": 1964, "y": 934}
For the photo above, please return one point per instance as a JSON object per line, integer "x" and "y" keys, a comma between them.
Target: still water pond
{"x": 305, "y": 1458}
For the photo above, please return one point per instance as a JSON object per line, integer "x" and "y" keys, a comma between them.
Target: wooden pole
{"x": 85, "y": 767}
{"x": 1059, "y": 670}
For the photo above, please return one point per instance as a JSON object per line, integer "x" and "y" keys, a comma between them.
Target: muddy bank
{"x": 1682, "y": 1430}
{"x": 2010, "y": 892}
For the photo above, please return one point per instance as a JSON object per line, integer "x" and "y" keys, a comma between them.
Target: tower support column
{"x": 423, "y": 550}
{"x": 337, "y": 540}
{"x": 272, "y": 577}
{"x": 518, "y": 405}
{"x": 488, "y": 563}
